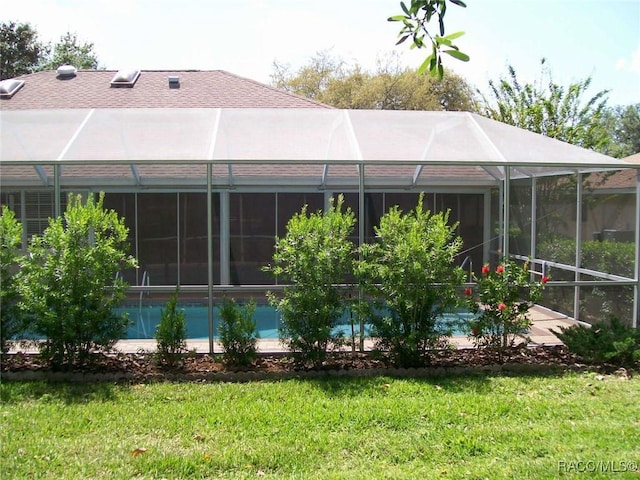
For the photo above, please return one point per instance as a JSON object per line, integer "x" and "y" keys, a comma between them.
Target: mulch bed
{"x": 144, "y": 367}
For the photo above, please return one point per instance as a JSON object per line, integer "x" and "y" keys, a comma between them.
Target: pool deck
{"x": 544, "y": 320}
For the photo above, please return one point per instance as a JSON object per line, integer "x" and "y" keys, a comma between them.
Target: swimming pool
{"x": 144, "y": 320}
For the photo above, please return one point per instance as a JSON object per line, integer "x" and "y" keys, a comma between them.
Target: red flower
{"x": 501, "y": 306}
{"x": 545, "y": 279}
{"x": 475, "y": 331}
{"x": 485, "y": 269}
{"x": 500, "y": 269}
{"x": 468, "y": 291}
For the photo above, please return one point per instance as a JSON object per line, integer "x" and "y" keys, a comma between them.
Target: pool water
{"x": 145, "y": 319}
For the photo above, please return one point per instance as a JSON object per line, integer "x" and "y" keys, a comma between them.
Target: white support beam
{"x": 578, "y": 257}
{"x": 636, "y": 296}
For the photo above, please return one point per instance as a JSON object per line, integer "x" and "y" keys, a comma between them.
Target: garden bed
{"x": 143, "y": 367}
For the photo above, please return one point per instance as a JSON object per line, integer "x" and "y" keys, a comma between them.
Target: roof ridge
{"x": 279, "y": 90}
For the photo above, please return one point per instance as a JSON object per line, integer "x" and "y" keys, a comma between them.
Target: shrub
{"x": 238, "y": 333}
{"x": 612, "y": 342}
{"x": 171, "y": 332}
{"x": 501, "y": 301}
{"x": 68, "y": 282}
{"x": 410, "y": 275}
{"x": 10, "y": 240}
{"x": 314, "y": 257}
{"x": 610, "y": 257}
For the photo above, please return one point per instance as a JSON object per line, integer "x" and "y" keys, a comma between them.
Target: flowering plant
{"x": 501, "y": 301}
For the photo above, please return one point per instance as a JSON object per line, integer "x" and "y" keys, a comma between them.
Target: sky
{"x": 578, "y": 38}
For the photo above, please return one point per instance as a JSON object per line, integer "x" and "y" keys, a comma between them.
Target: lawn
{"x": 458, "y": 427}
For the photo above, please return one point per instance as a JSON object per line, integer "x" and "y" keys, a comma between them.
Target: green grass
{"x": 464, "y": 427}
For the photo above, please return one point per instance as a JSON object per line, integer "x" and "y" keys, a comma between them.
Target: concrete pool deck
{"x": 544, "y": 320}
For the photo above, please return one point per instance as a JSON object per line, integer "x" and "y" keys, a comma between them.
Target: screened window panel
{"x": 158, "y": 237}
{"x": 124, "y": 204}
{"x": 193, "y": 238}
{"x": 252, "y": 226}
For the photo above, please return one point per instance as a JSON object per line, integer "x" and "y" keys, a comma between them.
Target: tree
{"x": 70, "y": 51}
{"x": 409, "y": 272}
{"x": 623, "y": 125}
{"x": 20, "y": 50}
{"x": 69, "y": 282}
{"x": 415, "y": 19}
{"x": 390, "y": 87}
{"x": 550, "y": 109}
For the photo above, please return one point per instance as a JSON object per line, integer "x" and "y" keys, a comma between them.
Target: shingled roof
{"x": 197, "y": 89}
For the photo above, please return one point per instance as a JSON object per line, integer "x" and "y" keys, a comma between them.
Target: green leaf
{"x": 404, "y": 8}
{"x": 402, "y": 39}
{"x": 423, "y": 68}
{"x": 442, "y": 41}
{"x": 458, "y": 55}
{"x": 453, "y": 36}
{"x": 460, "y": 3}
{"x": 397, "y": 18}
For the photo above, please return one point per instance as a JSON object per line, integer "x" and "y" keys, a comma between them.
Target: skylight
{"x": 125, "y": 78}
{"x": 9, "y": 87}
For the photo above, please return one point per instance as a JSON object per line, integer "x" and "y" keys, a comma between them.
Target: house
{"x": 180, "y": 154}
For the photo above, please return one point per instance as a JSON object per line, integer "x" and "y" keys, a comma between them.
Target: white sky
{"x": 579, "y": 38}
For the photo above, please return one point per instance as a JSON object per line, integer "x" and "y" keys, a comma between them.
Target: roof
{"x": 617, "y": 181}
{"x": 635, "y": 158}
{"x": 160, "y": 146}
{"x": 197, "y": 89}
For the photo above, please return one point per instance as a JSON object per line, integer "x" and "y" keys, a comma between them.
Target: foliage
{"x": 545, "y": 107}
{"x": 238, "y": 332}
{"x": 608, "y": 257}
{"x": 612, "y": 342}
{"x": 314, "y": 257}
{"x": 69, "y": 283}
{"x": 20, "y": 50}
{"x": 10, "y": 241}
{"x": 623, "y": 125}
{"x": 171, "y": 332}
{"x": 389, "y": 87}
{"x": 501, "y": 301}
{"x": 409, "y": 273}
{"x": 69, "y": 51}
{"x": 415, "y": 19}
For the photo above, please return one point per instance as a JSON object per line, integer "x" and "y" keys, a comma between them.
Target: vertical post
{"x": 225, "y": 262}
{"x": 486, "y": 237}
{"x": 210, "y": 258}
{"x": 534, "y": 217}
{"x": 361, "y": 239}
{"x": 636, "y": 296}
{"x": 505, "y": 211}
{"x": 56, "y": 191}
{"x": 578, "y": 258}
{"x": 178, "y": 231}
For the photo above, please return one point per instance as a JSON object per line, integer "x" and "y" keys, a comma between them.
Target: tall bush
{"x": 313, "y": 257}
{"x": 410, "y": 274}
{"x": 10, "y": 240}
{"x": 69, "y": 283}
